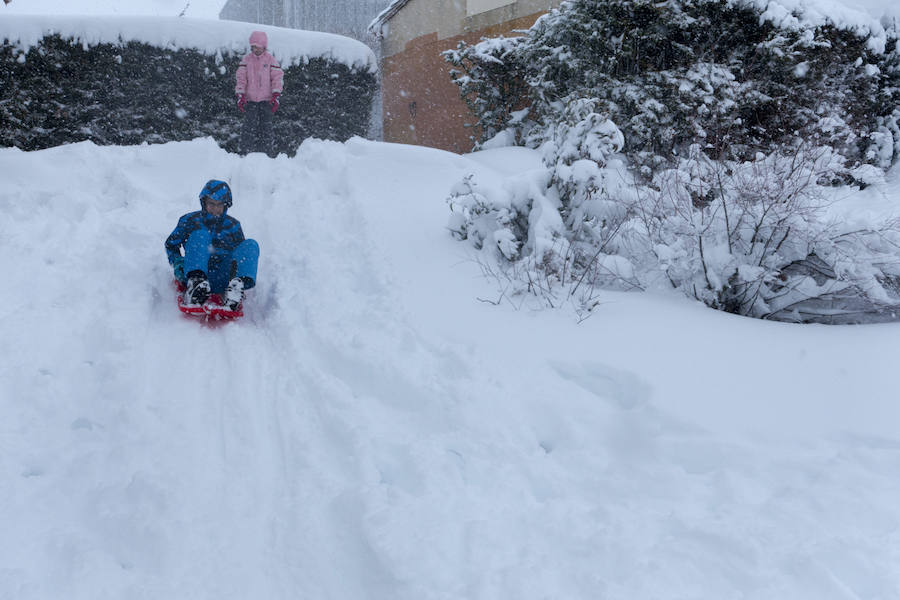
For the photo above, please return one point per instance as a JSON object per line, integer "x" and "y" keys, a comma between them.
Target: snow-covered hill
{"x": 373, "y": 430}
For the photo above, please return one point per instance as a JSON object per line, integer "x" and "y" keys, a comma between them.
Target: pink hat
{"x": 259, "y": 38}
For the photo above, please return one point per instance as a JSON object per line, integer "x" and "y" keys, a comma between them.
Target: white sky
{"x": 203, "y": 9}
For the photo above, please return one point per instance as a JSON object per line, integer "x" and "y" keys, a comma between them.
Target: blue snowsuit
{"x": 216, "y": 246}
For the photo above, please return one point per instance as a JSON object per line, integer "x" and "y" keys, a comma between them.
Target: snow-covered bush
{"x": 688, "y": 144}
{"x": 750, "y": 238}
{"x": 550, "y": 234}
{"x": 66, "y": 87}
{"x": 492, "y": 83}
{"x": 744, "y": 238}
{"x": 497, "y": 226}
{"x": 736, "y": 77}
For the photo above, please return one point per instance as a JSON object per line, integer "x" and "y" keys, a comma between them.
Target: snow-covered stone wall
{"x": 149, "y": 79}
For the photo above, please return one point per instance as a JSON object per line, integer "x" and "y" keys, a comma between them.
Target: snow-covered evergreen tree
{"x": 677, "y": 73}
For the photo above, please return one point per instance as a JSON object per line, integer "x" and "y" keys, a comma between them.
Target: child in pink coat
{"x": 258, "y": 89}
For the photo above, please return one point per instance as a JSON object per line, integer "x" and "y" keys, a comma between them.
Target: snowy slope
{"x": 372, "y": 430}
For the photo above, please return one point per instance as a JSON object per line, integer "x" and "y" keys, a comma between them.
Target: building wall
{"x": 421, "y": 103}
{"x": 344, "y": 17}
{"x": 266, "y": 12}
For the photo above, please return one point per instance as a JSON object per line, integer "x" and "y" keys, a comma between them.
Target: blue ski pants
{"x": 220, "y": 266}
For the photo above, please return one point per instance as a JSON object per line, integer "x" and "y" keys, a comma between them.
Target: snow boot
{"x": 234, "y": 295}
{"x": 198, "y": 290}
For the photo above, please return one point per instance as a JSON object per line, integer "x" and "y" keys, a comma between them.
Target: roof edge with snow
{"x": 386, "y": 15}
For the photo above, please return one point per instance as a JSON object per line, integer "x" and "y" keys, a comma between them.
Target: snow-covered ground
{"x": 372, "y": 429}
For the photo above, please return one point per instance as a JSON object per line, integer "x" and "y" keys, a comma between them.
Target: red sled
{"x": 211, "y": 310}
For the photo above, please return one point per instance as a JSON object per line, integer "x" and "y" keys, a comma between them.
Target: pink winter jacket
{"x": 258, "y": 77}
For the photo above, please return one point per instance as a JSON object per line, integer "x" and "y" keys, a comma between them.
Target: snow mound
{"x": 371, "y": 430}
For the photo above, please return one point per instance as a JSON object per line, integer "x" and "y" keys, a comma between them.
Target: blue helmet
{"x": 217, "y": 191}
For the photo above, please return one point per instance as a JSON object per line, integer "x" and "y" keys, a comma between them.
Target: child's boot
{"x": 234, "y": 295}
{"x": 198, "y": 289}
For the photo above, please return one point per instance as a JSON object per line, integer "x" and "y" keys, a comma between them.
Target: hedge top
{"x": 804, "y": 14}
{"x": 290, "y": 46}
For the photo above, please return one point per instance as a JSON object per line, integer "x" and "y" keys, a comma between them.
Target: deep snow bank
{"x": 372, "y": 430}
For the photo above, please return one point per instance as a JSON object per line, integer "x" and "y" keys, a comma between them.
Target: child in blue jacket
{"x": 217, "y": 258}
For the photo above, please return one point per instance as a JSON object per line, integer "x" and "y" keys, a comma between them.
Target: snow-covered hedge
{"x": 736, "y": 77}
{"x": 129, "y": 80}
{"x": 689, "y": 144}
